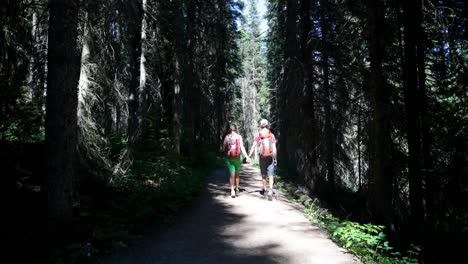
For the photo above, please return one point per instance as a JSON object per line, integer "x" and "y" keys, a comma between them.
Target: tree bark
{"x": 192, "y": 89}
{"x": 33, "y": 80}
{"x": 288, "y": 92}
{"x": 83, "y": 84}
{"x": 178, "y": 60}
{"x": 309, "y": 125}
{"x": 219, "y": 47}
{"x": 142, "y": 86}
{"x": 381, "y": 184}
{"x": 426, "y": 137}
{"x": 412, "y": 106}
{"x": 37, "y": 66}
{"x": 325, "y": 28}
{"x": 359, "y": 142}
{"x": 61, "y": 117}
{"x": 135, "y": 17}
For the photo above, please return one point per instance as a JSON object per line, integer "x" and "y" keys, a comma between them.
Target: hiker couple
{"x": 233, "y": 146}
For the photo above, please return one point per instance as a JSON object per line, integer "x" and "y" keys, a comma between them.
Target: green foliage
{"x": 339, "y": 145}
{"x": 367, "y": 241}
{"x": 117, "y": 142}
{"x": 20, "y": 119}
{"x": 165, "y": 142}
{"x": 255, "y": 162}
{"x": 210, "y": 159}
{"x": 153, "y": 192}
{"x": 25, "y": 124}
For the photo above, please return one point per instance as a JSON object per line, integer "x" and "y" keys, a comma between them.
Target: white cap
{"x": 263, "y": 123}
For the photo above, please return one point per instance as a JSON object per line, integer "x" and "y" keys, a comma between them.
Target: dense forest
{"x": 108, "y": 103}
{"x": 376, "y": 93}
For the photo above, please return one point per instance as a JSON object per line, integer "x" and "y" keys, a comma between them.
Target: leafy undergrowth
{"x": 366, "y": 241}
{"x": 153, "y": 193}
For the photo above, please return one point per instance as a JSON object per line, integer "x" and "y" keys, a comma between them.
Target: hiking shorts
{"x": 267, "y": 166}
{"x": 233, "y": 164}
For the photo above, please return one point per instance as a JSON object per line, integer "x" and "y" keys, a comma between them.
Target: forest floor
{"x": 245, "y": 229}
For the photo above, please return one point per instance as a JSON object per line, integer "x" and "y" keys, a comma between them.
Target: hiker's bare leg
{"x": 231, "y": 179}
{"x": 237, "y": 180}
{"x": 271, "y": 182}
{"x": 264, "y": 182}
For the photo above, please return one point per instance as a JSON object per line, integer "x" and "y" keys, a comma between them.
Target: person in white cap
{"x": 266, "y": 142}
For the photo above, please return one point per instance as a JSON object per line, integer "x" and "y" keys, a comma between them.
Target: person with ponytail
{"x": 233, "y": 146}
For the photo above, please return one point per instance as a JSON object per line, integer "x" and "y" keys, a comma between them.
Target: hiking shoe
{"x": 237, "y": 191}
{"x": 262, "y": 192}
{"x": 233, "y": 193}
{"x": 270, "y": 194}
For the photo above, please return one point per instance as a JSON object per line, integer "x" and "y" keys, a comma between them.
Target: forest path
{"x": 245, "y": 229}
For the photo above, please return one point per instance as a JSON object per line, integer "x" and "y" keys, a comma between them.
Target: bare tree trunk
{"x": 117, "y": 100}
{"x": 426, "y": 137}
{"x": 325, "y": 28}
{"x": 83, "y": 84}
{"x": 178, "y": 31}
{"x": 135, "y": 18}
{"x": 359, "y": 142}
{"x": 412, "y": 106}
{"x": 289, "y": 90}
{"x": 192, "y": 91}
{"x": 219, "y": 47}
{"x": 381, "y": 186}
{"x": 249, "y": 109}
{"x": 142, "y": 86}
{"x": 309, "y": 125}
{"x": 243, "y": 85}
{"x": 37, "y": 68}
{"x": 33, "y": 85}
{"x": 61, "y": 117}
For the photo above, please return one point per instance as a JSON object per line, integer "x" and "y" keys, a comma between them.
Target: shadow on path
{"x": 245, "y": 229}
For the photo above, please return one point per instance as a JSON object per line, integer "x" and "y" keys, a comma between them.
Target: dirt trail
{"x": 245, "y": 229}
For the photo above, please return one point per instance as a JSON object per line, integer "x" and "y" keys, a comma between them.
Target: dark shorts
{"x": 267, "y": 166}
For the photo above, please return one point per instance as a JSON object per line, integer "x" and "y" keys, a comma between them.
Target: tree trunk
{"x": 142, "y": 86}
{"x": 192, "y": 89}
{"x": 249, "y": 101}
{"x": 410, "y": 88}
{"x": 220, "y": 71}
{"x": 325, "y": 28}
{"x": 178, "y": 31}
{"x": 426, "y": 137}
{"x": 33, "y": 84}
{"x": 61, "y": 117}
{"x": 288, "y": 90}
{"x": 135, "y": 18}
{"x": 83, "y": 84}
{"x": 309, "y": 125}
{"x": 37, "y": 67}
{"x": 381, "y": 186}
{"x": 359, "y": 143}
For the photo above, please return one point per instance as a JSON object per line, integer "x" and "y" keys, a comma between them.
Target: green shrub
{"x": 153, "y": 192}
{"x": 366, "y": 241}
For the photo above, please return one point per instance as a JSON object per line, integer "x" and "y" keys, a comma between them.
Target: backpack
{"x": 265, "y": 148}
{"x": 233, "y": 146}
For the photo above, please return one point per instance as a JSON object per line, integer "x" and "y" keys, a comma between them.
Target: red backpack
{"x": 265, "y": 148}
{"x": 233, "y": 146}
